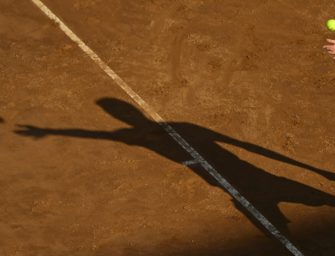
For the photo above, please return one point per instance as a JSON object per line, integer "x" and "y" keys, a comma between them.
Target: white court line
{"x": 176, "y": 136}
{"x": 190, "y": 162}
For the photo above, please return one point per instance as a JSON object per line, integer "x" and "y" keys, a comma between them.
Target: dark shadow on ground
{"x": 314, "y": 240}
{"x": 264, "y": 190}
{"x": 1, "y": 120}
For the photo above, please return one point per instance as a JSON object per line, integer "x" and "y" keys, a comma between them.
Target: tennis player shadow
{"x": 264, "y": 190}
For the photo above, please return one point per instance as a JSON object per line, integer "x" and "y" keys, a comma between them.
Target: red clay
{"x": 247, "y": 83}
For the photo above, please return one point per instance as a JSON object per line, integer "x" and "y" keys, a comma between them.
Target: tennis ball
{"x": 331, "y": 25}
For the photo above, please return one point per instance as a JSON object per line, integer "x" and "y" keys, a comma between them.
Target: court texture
{"x": 166, "y": 127}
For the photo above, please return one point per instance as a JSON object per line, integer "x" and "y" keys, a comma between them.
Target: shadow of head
{"x": 1, "y": 120}
{"x": 122, "y": 111}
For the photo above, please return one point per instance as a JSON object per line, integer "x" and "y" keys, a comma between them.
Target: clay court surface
{"x": 246, "y": 83}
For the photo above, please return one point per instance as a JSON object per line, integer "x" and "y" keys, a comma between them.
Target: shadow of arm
{"x": 38, "y": 133}
{"x": 273, "y": 155}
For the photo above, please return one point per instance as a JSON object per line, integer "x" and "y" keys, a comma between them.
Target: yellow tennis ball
{"x": 331, "y": 25}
